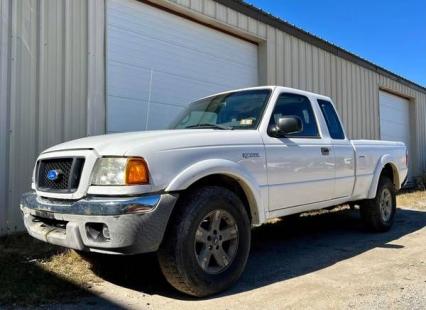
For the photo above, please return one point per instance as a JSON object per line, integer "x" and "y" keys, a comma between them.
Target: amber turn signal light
{"x": 137, "y": 172}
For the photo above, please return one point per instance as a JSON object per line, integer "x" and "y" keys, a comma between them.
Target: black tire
{"x": 178, "y": 252}
{"x": 371, "y": 211}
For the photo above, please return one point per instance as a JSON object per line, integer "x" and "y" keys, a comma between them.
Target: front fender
{"x": 205, "y": 168}
{"x": 383, "y": 161}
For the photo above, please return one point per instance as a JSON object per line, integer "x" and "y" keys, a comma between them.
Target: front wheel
{"x": 379, "y": 213}
{"x": 208, "y": 242}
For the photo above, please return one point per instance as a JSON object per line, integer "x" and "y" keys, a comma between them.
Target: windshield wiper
{"x": 209, "y": 125}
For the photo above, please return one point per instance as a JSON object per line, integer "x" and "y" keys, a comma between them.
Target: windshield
{"x": 236, "y": 110}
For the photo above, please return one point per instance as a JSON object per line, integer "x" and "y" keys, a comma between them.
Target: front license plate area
{"x": 44, "y": 214}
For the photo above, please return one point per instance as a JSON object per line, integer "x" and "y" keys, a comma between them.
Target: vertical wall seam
{"x": 11, "y": 88}
{"x": 64, "y": 58}
{"x": 104, "y": 62}
{"x": 37, "y": 75}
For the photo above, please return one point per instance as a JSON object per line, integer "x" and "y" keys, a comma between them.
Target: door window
{"x": 299, "y": 106}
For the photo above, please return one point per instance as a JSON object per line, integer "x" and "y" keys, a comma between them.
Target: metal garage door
{"x": 157, "y": 62}
{"x": 395, "y": 119}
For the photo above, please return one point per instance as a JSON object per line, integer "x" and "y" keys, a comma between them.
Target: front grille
{"x": 67, "y": 172}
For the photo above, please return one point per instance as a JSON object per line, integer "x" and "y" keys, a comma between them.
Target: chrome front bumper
{"x": 120, "y": 225}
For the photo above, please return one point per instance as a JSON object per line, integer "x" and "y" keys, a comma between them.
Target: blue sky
{"x": 390, "y": 33}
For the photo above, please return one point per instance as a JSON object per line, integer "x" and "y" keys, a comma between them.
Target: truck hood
{"x": 137, "y": 143}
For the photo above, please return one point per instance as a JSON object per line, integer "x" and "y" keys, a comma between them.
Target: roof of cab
{"x": 273, "y": 88}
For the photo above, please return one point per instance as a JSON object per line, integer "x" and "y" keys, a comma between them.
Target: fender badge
{"x": 250, "y": 155}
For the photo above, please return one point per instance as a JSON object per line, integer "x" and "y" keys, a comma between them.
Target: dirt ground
{"x": 318, "y": 262}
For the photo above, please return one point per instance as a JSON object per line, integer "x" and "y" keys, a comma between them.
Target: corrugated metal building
{"x": 51, "y": 55}
{"x": 71, "y": 68}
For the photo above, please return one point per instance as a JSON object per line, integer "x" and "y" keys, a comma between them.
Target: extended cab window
{"x": 300, "y": 106}
{"x": 334, "y": 127}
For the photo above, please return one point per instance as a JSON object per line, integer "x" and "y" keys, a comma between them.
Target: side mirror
{"x": 286, "y": 125}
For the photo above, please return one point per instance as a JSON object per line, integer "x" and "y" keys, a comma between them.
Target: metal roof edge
{"x": 269, "y": 19}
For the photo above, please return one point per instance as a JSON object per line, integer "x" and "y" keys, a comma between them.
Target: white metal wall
{"x": 45, "y": 64}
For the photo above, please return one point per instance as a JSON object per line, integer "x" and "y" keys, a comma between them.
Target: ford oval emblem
{"x": 53, "y": 175}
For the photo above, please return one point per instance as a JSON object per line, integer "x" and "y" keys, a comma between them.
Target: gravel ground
{"x": 322, "y": 262}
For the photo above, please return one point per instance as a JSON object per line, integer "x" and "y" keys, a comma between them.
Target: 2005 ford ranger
{"x": 231, "y": 161}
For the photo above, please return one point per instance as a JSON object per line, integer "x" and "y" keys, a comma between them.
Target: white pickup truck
{"x": 232, "y": 161}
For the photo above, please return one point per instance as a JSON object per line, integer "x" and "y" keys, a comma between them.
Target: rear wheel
{"x": 379, "y": 213}
{"x": 207, "y": 244}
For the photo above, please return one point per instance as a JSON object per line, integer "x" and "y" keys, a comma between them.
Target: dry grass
{"x": 70, "y": 267}
{"x": 412, "y": 200}
{"x": 33, "y": 272}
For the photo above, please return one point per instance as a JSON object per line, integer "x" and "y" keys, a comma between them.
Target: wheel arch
{"x": 227, "y": 174}
{"x": 385, "y": 167}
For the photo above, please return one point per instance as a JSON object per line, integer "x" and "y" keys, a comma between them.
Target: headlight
{"x": 120, "y": 171}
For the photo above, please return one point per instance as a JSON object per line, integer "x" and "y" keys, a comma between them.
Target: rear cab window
{"x": 331, "y": 118}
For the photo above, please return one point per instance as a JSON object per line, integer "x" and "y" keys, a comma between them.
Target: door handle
{"x": 325, "y": 151}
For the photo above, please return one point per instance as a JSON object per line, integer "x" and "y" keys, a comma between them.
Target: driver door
{"x": 300, "y": 166}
